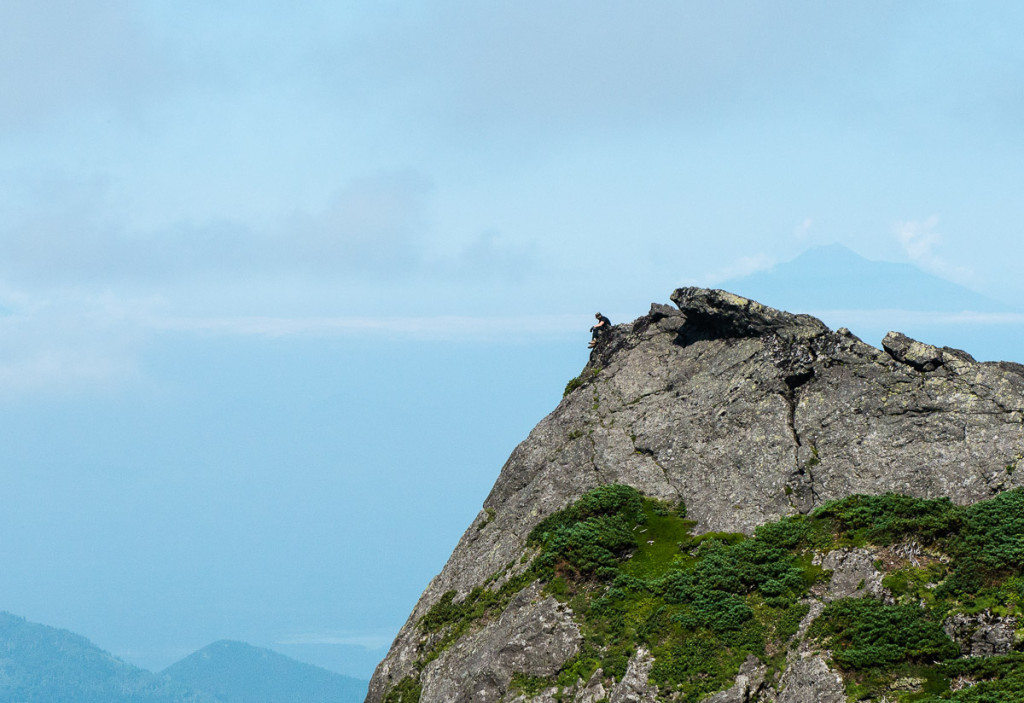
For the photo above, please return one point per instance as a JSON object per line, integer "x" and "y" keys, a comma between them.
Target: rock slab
{"x": 747, "y": 414}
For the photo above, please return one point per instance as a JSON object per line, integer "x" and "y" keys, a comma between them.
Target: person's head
{"x": 597, "y": 315}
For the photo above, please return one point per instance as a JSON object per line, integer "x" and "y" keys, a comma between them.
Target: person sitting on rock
{"x": 602, "y": 326}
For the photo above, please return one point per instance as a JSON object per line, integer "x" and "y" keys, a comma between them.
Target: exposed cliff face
{"x": 746, "y": 414}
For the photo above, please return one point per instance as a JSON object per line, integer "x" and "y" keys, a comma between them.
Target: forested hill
{"x": 236, "y": 672}
{"x": 40, "y": 664}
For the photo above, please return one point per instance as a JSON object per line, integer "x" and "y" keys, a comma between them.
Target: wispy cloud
{"x": 919, "y": 240}
{"x": 490, "y": 255}
{"x": 895, "y": 317}
{"x": 66, "y": 343}
{"x": 740, "y": 267}
{"x": 370, "y": 639}
{"x": 72, "y": 340}
{"x": 74, "y": 234}
{"x": 58, "y": 55}
{"x": 444, "y": 327}
{"x": 803, "y": 230}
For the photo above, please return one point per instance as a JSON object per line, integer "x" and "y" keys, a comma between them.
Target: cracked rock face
{"x": 982, "y": 635}
{"x": 634, "y": 687}
{"x": 535, "y": 635}
{"x": 853, "y": 575}
{"x": 747, "y": 414}
{"x": 810, "y": 680}
{"x": 748, "y": 687}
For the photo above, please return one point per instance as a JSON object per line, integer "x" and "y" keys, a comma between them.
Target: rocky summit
{"x": 732, "y": 422}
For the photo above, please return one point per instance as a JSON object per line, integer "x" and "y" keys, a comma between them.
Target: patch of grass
{"x": 788, "y": 621}
{"x": 490, "y": 514}
{"x": 575, "y": 383}
{"x": 912, "y": 584}
{"x": 661, "y": 540}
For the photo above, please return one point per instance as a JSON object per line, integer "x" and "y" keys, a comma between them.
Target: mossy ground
{"x": 635, "y": 575}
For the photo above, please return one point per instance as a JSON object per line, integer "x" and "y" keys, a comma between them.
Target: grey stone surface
{"x": 535, "y": 635}
{"x": 634, "y": 688}
{"x": 923, "y": 357}
{"x": 810, "y": 680}
{"x": 982, "y": 635}
{"x": 594, "y": 691}
{"x": 747, "y": 414}
{"x": 749, "y": 686}
{"x": 853, "y": 575}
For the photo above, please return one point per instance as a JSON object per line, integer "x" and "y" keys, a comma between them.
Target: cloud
{"x": 919, "y": 239}
{"x": 543, "y": 68}
{"x": 369, "y": 639}
{"x": 67, "y": 343}
{"x": 71, "y": 232}
{"x": 740, "y": 267}
{"x": 72, "y": 340}
{"x": 373, "y": 224}
{"x": 489, "y": 256}
{"x": 444, "y": 327}
{"x": 803, "y": 230}
{"x": 897, "y": 317}
{"x": 58, "y": 54}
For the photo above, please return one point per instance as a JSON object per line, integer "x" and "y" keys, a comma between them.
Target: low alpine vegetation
{"x": 635, "y": 575}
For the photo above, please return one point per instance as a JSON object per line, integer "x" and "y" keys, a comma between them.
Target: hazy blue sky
{"x": 282, "y": 284}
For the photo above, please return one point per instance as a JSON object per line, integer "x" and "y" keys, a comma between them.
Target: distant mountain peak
{"x": 237, "y": 672}
{"x": 834, "y": 277}
{"x": 42, "y": 663}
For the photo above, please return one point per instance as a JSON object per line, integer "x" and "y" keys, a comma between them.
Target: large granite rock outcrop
{"x": 747, "y": 414}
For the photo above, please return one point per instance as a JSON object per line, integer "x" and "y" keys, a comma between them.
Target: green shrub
{"x": 591, "y": 534}
{"x": 572, "y": 385}
{"x": 1000, "y": 679}
{"x": 787, "y": 622}
{"x": 408, "y": 690}
{"x": 700, "y": 604}
{"x": 993, "y": 534}
{"x": 888, "y": 518}
{"x": 609, "y": 500}
{"x": 864, "y": 633}
{"x": 530, "y": 685}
